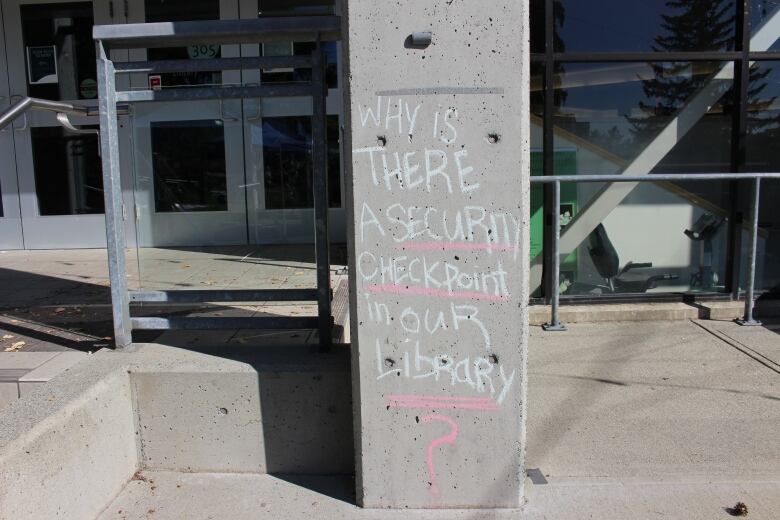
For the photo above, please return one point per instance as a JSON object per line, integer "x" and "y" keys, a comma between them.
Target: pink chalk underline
{"x": 455, "y": 246}
{"x": 439, "y": 293}
{"x": 485, "y": 404}
{"x": 440, "y": 397}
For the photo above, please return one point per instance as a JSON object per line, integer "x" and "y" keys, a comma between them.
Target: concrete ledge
{"x": 721, "y": 310}
{"x": 540, "y": 314}
{"x": 68, "y": 447}
{"x": 64, "y": 453}
{"x": 712, "y": 310}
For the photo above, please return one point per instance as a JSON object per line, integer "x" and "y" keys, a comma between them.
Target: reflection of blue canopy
{"x": 281, "y": 137}
{"x": 331, "y": 52}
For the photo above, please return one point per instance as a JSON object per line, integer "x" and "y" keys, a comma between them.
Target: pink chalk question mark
{"x": 446, "y": 439}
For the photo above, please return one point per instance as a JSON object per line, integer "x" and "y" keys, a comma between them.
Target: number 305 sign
{"x": 197, "y": 52}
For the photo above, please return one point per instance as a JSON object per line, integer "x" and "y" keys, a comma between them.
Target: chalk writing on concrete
{"x": 448, "y": 438}
{"x": 434, "y": 256}
{"x": 438, "y": 402}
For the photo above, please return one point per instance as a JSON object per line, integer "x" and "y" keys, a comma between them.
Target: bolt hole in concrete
{"x": 418, "y": 40}
{"x": 493, "y": 138}
{"x": 223, "y": 411}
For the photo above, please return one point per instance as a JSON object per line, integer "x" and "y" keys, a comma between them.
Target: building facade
{"x": 198, "y": 174}
{"x": 634, "y": 86}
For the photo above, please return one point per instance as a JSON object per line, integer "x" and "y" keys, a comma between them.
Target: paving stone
{"x": 53, "y": 367}
{"x": 9, "y": 392}
{"x": 24, "y": 360}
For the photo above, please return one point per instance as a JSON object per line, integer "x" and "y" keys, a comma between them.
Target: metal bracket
{"x": 748, "y": 323}
{"x": 554, "y": 327}
{"x": 65, "y": 122}
{"x": 25, "y": 122}
{"x": 68, "y": 125}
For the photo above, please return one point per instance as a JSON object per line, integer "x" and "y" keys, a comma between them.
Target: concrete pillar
{"x": 438, "y": 187}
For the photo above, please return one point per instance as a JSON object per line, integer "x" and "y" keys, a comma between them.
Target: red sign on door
{"x": 155, "y": 82}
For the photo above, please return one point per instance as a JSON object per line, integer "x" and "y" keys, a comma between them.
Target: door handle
{"x": 222, "y": 115}
{"x": 259, "y": 114}
{"x": 4, "y": 129}
{"x": 25, "y": 122}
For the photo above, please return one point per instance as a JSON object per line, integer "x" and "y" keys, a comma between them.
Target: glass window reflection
{"x": 763, "y": 155}
{"x": 188, "y": 160}
{"x": 271, "y": 8}
{"x": 287, "y": 161}
{"x": 765, "y": 24}
{"x": 644, "y": 25}
{"x": 536, "y": 17}
{"x": 60, "y": 52}
{"x": 656, "y": 117}
{"x": 68, "y": 173}
{"x": 619, "y": 109}
{"x": 178, "y": 11}
{"x": 300, "y": 75}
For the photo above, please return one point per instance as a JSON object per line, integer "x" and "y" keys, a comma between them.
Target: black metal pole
{"x": 738, "y": 136}
{"x": 548, "y": 145}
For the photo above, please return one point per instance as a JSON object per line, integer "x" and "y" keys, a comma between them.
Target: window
{"x": 287, "y": 162}
{"x": 645, "y": 87}
{"x": 188, "y": 160}
{"x": 179, "y": 11}
{"x": 68, "y": 173}
{"x": 60, "y": 52}
{"x": 270, "y": 8}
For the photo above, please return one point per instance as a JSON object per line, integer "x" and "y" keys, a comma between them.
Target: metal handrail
{"x": 555, "y": 323}
{"x": 654, "y": 177}
{"x": 21, "y": 107}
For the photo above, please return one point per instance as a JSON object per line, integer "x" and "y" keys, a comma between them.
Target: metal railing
{"x": 555, "y": 323}
{"x": 314, "y": 29}
{"x": 61, "y": 108}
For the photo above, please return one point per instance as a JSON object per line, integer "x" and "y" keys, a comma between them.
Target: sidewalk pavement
{"x": 673, "y": 420}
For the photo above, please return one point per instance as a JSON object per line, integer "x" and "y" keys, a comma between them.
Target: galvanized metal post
{"x": 320, "y": 171}
{"x": 112, "y": 190}
{"x": 748, "y": 319}
{"x": 555, "y": 324}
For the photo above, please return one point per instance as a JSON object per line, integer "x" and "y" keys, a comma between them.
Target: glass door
{"x": 10, "y": 218}
{"x": 51, "y": 55}
{"x": 189, "y": 167}
{"x": 278, "y": 138}
{"x": 212, "y": 173}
